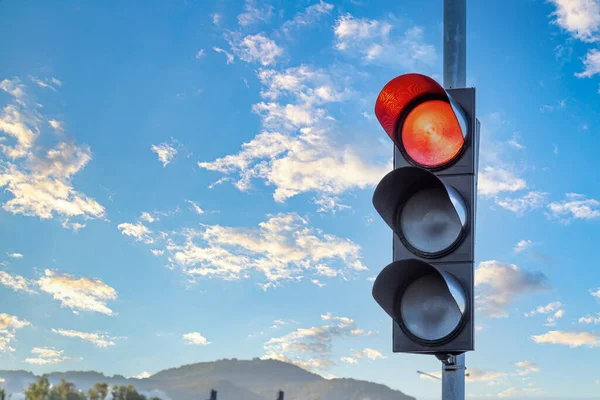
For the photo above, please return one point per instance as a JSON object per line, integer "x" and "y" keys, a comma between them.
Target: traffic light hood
{"x": 395, "y": 190}
{"x": 400, "y": 95}
{"x": 392, "y": 287}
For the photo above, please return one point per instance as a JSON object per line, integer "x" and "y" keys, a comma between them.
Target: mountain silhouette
{"x": 232, "y": 379}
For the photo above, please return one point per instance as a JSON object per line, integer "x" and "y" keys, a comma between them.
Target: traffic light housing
{"x": 429, "y": 202}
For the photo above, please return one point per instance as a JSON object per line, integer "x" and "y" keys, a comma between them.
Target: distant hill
{"x": 232, "y": 379}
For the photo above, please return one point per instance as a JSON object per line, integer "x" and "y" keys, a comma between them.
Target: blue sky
{"x": 188, "y": 181}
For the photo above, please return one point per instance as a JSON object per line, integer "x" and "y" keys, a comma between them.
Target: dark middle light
{"x": 433, "y": 219}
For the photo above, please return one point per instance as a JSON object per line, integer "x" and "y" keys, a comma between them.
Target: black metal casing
{"x": 459, "y": 261}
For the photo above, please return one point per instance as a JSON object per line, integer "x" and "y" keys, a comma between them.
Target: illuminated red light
{"x": 431, "y": 135}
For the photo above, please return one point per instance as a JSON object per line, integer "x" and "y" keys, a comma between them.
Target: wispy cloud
{"x": 255, "y": 11}
{"x": 39, "y": 180}
{"x": 312, "y": 348}
{"x": 78, "y": 294}
{"x": 47, "y": 355}
{"x": 166, "y": 152}
{"x": 580, "y": 18}
{"x": 284, "y": 247}
{"x": 8, "y": 327}
{"x": 96, "y": 339}
{"x": 499, "y": 285}
{"x": 375, "y": 41}
{"x": 569, "y": 338}
{"x": 575, "y": 206}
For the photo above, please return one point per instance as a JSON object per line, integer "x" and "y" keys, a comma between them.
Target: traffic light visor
{"x": 429, "y": 304}
{"x": 429, "y": 216}
{"x": 422, "y": 119}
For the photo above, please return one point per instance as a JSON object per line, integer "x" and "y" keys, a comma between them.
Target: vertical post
{"x": 453, "y": 377}
{"x": 455, "y": 76}
{"x": 280, "y": 395}
{"x": 455, "y": 43}
{"x": 213, "y": 394}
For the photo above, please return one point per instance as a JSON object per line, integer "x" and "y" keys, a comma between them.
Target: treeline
{"x": 43, "y": 390}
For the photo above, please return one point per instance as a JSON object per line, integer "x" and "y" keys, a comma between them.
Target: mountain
{"x": 232, "y": 379}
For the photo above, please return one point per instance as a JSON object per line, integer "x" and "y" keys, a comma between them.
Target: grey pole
{"x": 453, "y": 377}
{"x": 455, "y": 76}
{"x": 455, "y": 43}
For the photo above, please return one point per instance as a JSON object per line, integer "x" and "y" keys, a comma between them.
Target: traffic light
{"x": 429, "y": 202}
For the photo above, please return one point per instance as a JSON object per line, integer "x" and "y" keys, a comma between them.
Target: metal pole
{"x": 453, "y": 377}
{"x": 455, "y": 43}
{"x": 455, "y": 76}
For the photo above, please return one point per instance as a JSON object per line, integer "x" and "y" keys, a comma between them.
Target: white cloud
{"x": 590, "y": 319}
{"x": 83, "y": 294}
{"x": 548, "y": 308}
{"x": 349, "y": 360}
{"x": 46, "y": 83}
{"x": 283, "y": 247}
{"x": 148, "y": 217}
{"x": 576, "y": 206}
{"x": 139, "y": 231}
{"x": 15, "y": 88}
{"x": 16, "y": 282}
{"x": 311, "y": 348}
{"x": 373, "y": 42}
{"x": 301, "y": 148}
{"x": 255, "y": 49}
{"x": 8, "y": 327}
{"x": 554, "y": 309}
{"x": 569, "y": 338}
{"x": 142, "y": 375}
{"x": 195, "y": 338}
{"x": 201, "y": 53}
{"x": 165, "y": 152}
{"x": 318, "y": 283}
{"x": 308, "y": 17}
{"x": 595, "y": 293}
{"x": 523, "y": 245}
{"x": 15, "y": 255}
{"x": 368, "y": 353}
{"x": 74, "y": 226}
{"x": 499, "y": 284}
{"x": 528, "y": 202}
{"x": 216, "y": 18}
{"x": 255, "y": 11}
{"x": 157, "y": 252}
{"x": 228, "y": 55}
{"x": 308, "y": 84}
{"x": 294, "y": 165}
{"x": 494, "y": 180}
{"x": 195, "y": 207}
{"x": 12, "y": 322}
{"x": 581, "y": 18}
{"x": 47, "y": 355}
{"x": 41, "y": 186}
{"x": 94, "y": 338}
{"x": 515, "y": 142}
{"x": 21, "y": 127}
{"x": 58, "y": 126}
{"x": 526, "y": 367}
{"x": 515, "y": 390}
{"x": 591, "y": 64}
{"x": 489, "y": 377}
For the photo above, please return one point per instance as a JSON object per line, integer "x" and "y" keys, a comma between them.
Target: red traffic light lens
{"x": 431, "y": 135}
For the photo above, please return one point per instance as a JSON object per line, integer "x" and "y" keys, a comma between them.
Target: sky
{"x": 188, "y": 181}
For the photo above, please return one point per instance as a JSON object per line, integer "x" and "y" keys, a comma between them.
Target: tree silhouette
{"x": 38, "y": 390}
{"x": 102, "y": 389}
